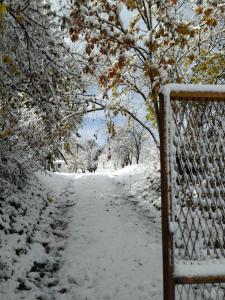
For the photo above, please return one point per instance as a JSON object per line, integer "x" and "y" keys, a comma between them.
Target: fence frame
{"x": 180, "y": 93}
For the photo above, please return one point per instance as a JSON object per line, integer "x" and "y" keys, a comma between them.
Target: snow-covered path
{"x": 112, "y": 251}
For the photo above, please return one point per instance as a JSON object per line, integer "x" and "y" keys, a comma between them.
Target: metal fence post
{"x": 168, "y": 283}
{"x": 192, "y": 154}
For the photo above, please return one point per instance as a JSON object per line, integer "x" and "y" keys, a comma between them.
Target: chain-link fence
{"x": 193, "y": 193}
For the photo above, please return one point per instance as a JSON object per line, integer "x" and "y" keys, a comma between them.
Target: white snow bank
{"x": 32, "y": 231}
{"x": 132, "y": 170}
{"x": 196, "y": 269}
{"x": 143, "y": 184}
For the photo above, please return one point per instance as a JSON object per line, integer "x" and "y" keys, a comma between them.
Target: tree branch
{"x": 121, "y": 108}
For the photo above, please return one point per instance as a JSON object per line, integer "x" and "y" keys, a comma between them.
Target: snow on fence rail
{"x": 192, "y": 133}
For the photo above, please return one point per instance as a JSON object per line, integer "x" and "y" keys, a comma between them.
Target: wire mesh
{"x": 198, "y": 165}
{"x": 196, "y": 160}
{"x": 210, "y": 291}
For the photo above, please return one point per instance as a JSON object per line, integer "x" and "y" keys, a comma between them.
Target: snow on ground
{"x": 98, "y": 238}
{"x": 32, "y": 236}
{"x": 20, "y": 212}
{"x": 143, "y": 184}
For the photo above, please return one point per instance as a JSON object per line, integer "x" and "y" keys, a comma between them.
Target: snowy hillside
{"x": 143, "y": 183}
{"x": 30, "y": 246}
{"x": 88, "y": 236}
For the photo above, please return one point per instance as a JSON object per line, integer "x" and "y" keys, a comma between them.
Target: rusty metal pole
{"x": 168, "y": 282}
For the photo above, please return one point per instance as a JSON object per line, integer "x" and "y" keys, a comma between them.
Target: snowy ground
{"x": 99, "y": 239}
